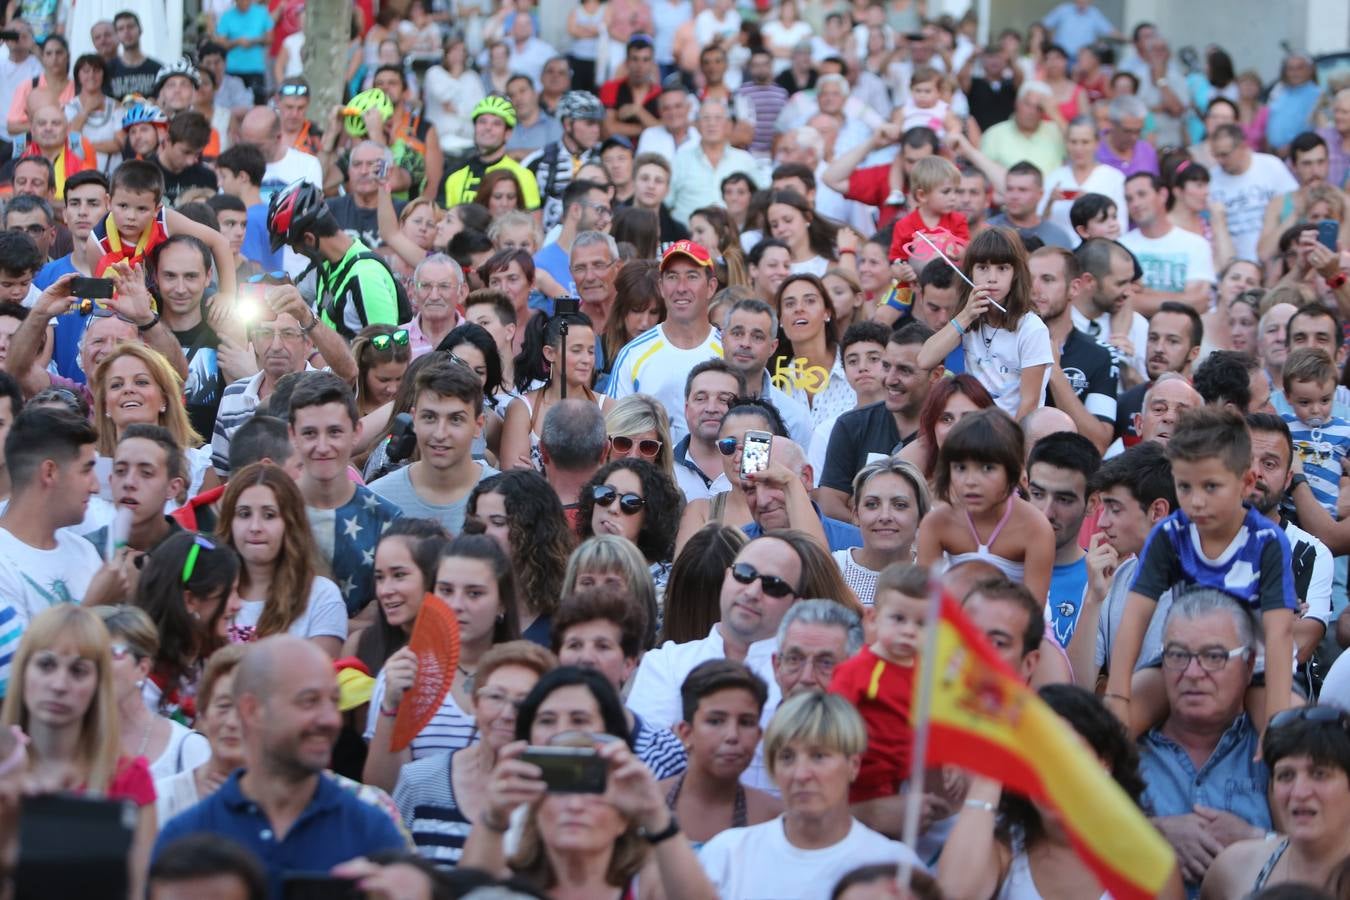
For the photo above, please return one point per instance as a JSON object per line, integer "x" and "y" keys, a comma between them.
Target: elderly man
{"x": 594, "y": 265}
{"x": 1337, "y": 136}
{"x": 572, "y": 445}
{"x": 813, "y": 638}
{"x": 806, "y": 147}
{"x": 34, "y": 217}
{"x": 675, "y": 129}
{"x": 356, "y": 210}
{"x": 1204, "y": 781}
{"x": 700, "y": 167}
{"x": 585, "y": 207}
{"x": 51, "y": 139}
{"x": 1029, "y": 135}
{"x": 1124, "y": 147}
{"x": 438, "y": 291}
{"x": 1272, "y": 340}
{"x": 780, "y": 497}
{"x": 261, "y": 127}
{"x": 283, "y": 805}
{"x": 1164, "y": 402}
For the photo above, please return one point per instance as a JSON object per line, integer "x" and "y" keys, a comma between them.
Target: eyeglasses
{"x": 602, "y": 209}
{"x": 499, "y": 700}
{"x": 605, "y": 495}
{"x": 294, "y": 90}
{"x": 727, "y": 446}
{"x": 444, "y": 287}
{"x": 772, "y": 585}
{"x": 647, "y": 447}
{"x": 385, "y": 341}
{"x": 122, "y": 651}
{"x": 34, "y": 228}
{"x": 1212, "y": 659}
{"x": 265, "y": 336}
{"x": 1319, "y": 714}
{"x": 199, "y": 543}
{"x": 793, "y": 662}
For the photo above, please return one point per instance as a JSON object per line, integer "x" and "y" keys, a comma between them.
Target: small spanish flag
{"x": 983, "y": 718}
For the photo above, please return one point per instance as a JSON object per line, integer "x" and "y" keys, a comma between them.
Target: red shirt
{"x": 953, "y": 223}
{"x": 882, "y": 692}
{"x": 871, "y": 187}
{"x": 132, "y": 781}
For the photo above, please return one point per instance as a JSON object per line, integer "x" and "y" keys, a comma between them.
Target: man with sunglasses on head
{"x": 758, "y": 589}
{"x": 292, "y": 102}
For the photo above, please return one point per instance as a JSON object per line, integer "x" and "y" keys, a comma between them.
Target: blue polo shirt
{"x": 840, "y": 535}
{"x": 336, "y": 826}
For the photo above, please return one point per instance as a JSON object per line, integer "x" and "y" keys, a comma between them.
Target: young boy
{"x": 1094, "y": 215}
{"x": 232, "y": 215}
{"x": 493, "y": 311}
{"x": 925, "y": 107}
{"x": 149, "y": 469}
{"x": 1216, "y": 540}
{"x": 934, "y": 182}
{"x": 879, "y": 681}
{"x": 139, "y": 222}
{"x": 1321, "y": 439}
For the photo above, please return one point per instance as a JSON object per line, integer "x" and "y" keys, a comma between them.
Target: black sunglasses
{"x": 772, "y": 585}
{"x": 1319, "y": 714}
{"x": 605, "y": 495}
{"x": 727, "y": 446}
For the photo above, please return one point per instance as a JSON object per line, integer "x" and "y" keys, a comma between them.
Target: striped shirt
{"x": 426, "y": 800}
{"x": 658, "y": 748}
{"x": 1322, "y": 449}
{"x": 449, "y": 730}
{"x": 767, "y": 100}
{"x": 650, "y": 364}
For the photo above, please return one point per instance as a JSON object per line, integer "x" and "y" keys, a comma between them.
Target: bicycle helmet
{"x": 292, "y": 212}
{"x": 581, "y": 105}
{"x": 144, "y": 114}
{"x": 182, "y": 67}
{"x": 357, "y": 107}
{"x": 496, "y": 106}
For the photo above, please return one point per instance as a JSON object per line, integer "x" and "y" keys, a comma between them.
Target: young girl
{"x": 712, "y": 227}
{"x": 1009, "y": 352}
{"x": 474, "y": 579}
{"x": 405, "y": 570}
{"x": 262, "y": 516}
{"x": 538, "y": 361}
{"x": 382, "y": 355}
{"x": 981, "y": 516}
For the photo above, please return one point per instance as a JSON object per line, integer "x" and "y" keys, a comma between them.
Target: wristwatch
{"x": 664, "y": 834}
{"x": 1299, "y": 478}
{"x": 1337, "y": 281}
{"x": 313, "y": 323}
{"x": 154, "y": 320}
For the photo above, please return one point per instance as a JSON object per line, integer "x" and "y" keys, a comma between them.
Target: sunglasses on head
{"x": 605, "y": 495}
{"x": 647, "y": 447}
{"x": 294, "y": 90}
{"x": 1320, "y": 714}
{"x": 199, "y": 543}
{"x": 772, "y": 585}
{"x": 275, "y": 277}
{"x": 385, "y": 341}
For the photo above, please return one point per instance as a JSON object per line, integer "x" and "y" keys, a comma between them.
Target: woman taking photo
{"x": 405, "y": 572}
{"x": 523, "y": 515}
{"x": 262, "y": 516}
{"x": 188, "y": 587}
{"x": 540, "y": 359}
{"x": 474, "y": 579}
{"x": 632, "y": 499}
{"x": 949, "y": 400}
{"x": 167, "y": 746}
{"x": 609, "y": 561}
{"x": 382, "y": 355}
{"x": 890, "y": 498}
{"x": 809, "y": 360}
{"x": 1082, "y": 174}
{"x": 722, "y": 703}
{"x": 441, "y": 796}
{"x": 623, "y": 842}
{"x": 712, "y": 227}
{"x": 62, "y": 694}
{"x": 220, "y": 723}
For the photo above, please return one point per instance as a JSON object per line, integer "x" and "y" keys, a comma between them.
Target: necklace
{"x": 468, "y": 677}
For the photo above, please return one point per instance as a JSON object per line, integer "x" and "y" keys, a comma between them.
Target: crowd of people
{"x": 673, "y": 363}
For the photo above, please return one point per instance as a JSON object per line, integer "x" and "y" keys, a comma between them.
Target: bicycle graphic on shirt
{"x": 799, "y": 374}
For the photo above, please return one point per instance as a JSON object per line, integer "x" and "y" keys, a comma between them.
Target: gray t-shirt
{"x": 1113, "y": 607}
{"x": 397, "y": 488}
{"x": 1051, "y": 235}
{"x": 545, "y": 130}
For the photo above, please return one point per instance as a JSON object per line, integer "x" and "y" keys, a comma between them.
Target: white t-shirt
{"x": 1105, "y": 180}
{"x": 996, "y": 357}
{"x": 651, "y": 364}
{"x": 296, "y": 165}
{"x": 758, "y": 863}
{"x": 1244, "y": 198}
{"x": 1173, "y": 260}
{"x": 324, "y": 616}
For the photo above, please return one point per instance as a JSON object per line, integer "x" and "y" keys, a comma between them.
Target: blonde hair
{"x": 637, "y": 413}
{"x": 413, "y": 206}
{"x": 174, "y": 417}
{"x": 100, "y": 742}
{"x": 826, "y": 721}
{"x": 515, "y": 219}
{"x": 608, "y": 553}
{"x": 134, "y": 626}
{"x": 933, "y": 172}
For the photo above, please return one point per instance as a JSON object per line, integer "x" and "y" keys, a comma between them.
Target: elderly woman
{"x": 218, "y": 720}
{"x": 1307, "y": 751}
{"x": 621, "y": 842}
{"x": 813, "y": 748}
{"x": 1337, "y": 136}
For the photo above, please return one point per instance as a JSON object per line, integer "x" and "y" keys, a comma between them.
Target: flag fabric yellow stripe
{"x": 983, "y": 718}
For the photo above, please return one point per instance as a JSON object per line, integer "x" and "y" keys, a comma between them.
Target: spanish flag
{"x": 983, "y": 718}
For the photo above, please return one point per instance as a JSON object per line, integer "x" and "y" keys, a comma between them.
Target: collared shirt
{"x": 1007, "y": 145}
{"x": 689, "y": 477}
{"x": 796, "y": 416}
{"x": 696, "y": 182}
{"x": 334, "y": 827}
{"x": 417, "y": 339}
{"x": 660, "y": 141}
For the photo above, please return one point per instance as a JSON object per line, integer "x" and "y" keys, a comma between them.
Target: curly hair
{"x": 661, "y": 514}
{"x": 540, "y": 537}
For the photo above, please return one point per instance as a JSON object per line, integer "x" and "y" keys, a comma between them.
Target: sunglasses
{"x": 294, "y": 90}
{"x": 1320, "y": 714}
{"x": 199, "y": 543}
{"x": 605, "y": 495}
{"x": 727, "y": 446}
{"x": 385, "y": 341}
{"x": 276, "y": 277}
{"x": 647, "y": 447}
{"x": 772, "y": 585}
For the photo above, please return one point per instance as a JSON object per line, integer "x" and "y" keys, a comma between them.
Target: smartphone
{"x": 566, "y": 306}
{"x": 569, "y": 770}
{"x": 382, "y": 169}
{"x": 73, "y": 847}
{"x": 1328, "y": 230}
{"x": 92, "y": 288}
{"x": 318, "y": 886}
{"x": 755, "y": 452}
{"x": 9, "y": 36}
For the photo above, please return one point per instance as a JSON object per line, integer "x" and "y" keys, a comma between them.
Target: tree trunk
{"x": 328, "y": 26}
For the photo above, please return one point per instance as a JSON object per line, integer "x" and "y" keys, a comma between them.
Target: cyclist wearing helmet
{"x": 176, "y": 86}
{"x": 354, "y": 286}
{"x": 580, "y": 113}
{"x": 493, "y": 120}
{"x": 411, "y": 136}
{"x": 144, "y": 125}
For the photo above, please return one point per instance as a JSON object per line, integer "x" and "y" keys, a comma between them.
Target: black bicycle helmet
{"x": 292, "y": 212}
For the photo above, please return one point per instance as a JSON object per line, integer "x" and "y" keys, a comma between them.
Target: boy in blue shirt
{"x": 1215, "y": 540}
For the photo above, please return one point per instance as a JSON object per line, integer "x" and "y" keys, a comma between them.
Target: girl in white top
{"x": 1007, "y": 346}
{"x": 262, "y": 516}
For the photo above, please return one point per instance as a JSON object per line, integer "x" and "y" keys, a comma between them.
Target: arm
{"x": 970, "y": 867}
{"x": 515, "y": 448}
{"x": 1039, "y": 562}
{"x": 613, "y": 126}
{"x": 1133, "y": 623}
{"x": 1279, "y": 627}
{"x": 382, "y": 763}
{"x": 512, "y": 783}
{"x": 995, "y": 172}
{"x": 1196, "y": 296}
{"x": 435, "y": 165}
{"x": 836, "y": 174}
{"x": 1032, "y": 377}
{"x": 801, "y": 514}
{"x": 132, "y": 302}
{"x": 1311, "y": 516}
{"x": 390, "y": 234}
{"x": 334, "y": 350}
{"x": 936, "y": 348}
{"x": 1065, "y": 398}
{"x": 1222, "y": 241}
{"x": 26, "y": 343}
{"x": 694, "y": 517}
{"x": 220, "y": 247}
{"x": 1272, "y": 226}
{"x": 1102, "y": 560}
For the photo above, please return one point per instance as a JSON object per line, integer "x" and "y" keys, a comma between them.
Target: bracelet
{"x": 1121, "y": 697}
{"x": 386, "y": 713}
{"x": 981, "y": 804}
{"x": 959, "y": 330}
{"x": 494, "y": 826}
{"x": 313, "y": 323}
{"x": 154, "y": 320}
{"x": 664, "y": 834}
{"x": 1337, "y": 281}
{"x": 852, "y": 252}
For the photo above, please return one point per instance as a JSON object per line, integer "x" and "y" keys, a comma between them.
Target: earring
{"x": 196, "y": 615}
{"x": 163, "y": 408}
{"x": 141, "y": 683}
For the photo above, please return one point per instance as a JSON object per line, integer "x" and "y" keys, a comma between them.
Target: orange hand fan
{"x": 435, "y": 640}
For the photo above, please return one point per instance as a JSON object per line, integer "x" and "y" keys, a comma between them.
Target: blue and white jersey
{"x": 1322, "y": 448}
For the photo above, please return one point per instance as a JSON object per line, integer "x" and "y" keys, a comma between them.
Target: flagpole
{"x": 927, "y": 667}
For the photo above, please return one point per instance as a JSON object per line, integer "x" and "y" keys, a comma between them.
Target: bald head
{"x": 1043, "y": 421}
{"x": 261, "y": 127}
{"x": 961, "y": 579}
{"x": 263, "y": 671}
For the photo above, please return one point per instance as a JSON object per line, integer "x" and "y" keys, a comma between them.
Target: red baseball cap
{"x": 695, "y": 253}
